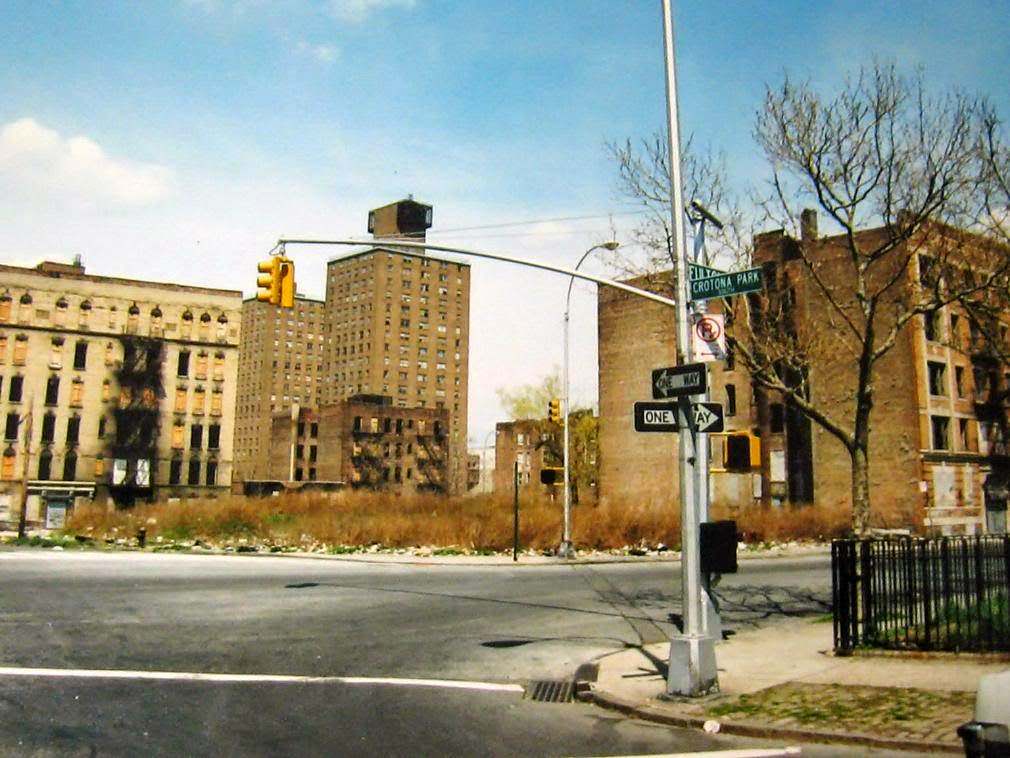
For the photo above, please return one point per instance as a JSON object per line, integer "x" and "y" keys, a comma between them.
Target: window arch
{"x": 26, "y": 299}
{"x": 134, "y": 310}
{"x": 205, "y": 318}
{"x": 156, "y": 312}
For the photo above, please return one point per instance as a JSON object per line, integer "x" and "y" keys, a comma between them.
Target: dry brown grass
{"x": 474, "y": 523}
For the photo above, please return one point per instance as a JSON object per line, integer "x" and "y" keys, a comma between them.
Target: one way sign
{"x": 707, "y": 417}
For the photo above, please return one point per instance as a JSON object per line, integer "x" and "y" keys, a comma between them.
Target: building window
{"x": 213, "y": 436}
{"x": 178, "y": 433}
{"x": 70, "y": 466}
{"x": 211, "y": 473}
{"x": 937, "y": 378}
{"x": 730, "y": 400}
{"x": 180, "y": 399}
{"x": 73, "y": 430}
{"x": 80, "y": 355}
{"x": 194, "y": 472}
{"x": 52, "y": 390}
{"x": 77, "y": 393}
{"x": 48, "y": 428}
{"x": 968, "y": 441}
{"x": 198, "y": 401}
{"x": 5, "y": 307}
{"x": 931, "y": 325}
{"x": 45, "y": 465}
{"x": 3, "y": 348}
{"x": 99, "y": 466}
{"x": 201, "y": 365}
{"x": 7, "y": 471}
{"x": 941, "y": 432}
{"x": 182, "y": 368}
{"x": 101, "y": 427}
{"x": 219, "y": 366}
{"x": 216, "y": 402}
{"x": 175, "y": 471}
{"x": 959, "y": 380}
{"x": 195, "y": 436}
{"x": 20, "y": 350}
{"x": 777, "y": 421}
{"x": 14, "y": 391}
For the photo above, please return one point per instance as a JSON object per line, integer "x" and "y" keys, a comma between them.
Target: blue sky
{"x": 178, "y": 139}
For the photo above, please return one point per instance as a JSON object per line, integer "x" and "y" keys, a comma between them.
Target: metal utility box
{"x": 718, "y": 547}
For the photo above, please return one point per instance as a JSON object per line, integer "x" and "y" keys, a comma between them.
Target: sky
{"x": 178, "y": 140}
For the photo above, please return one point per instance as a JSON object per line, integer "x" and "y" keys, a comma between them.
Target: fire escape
{"x": 366, "y": 459}
{"x": 431, "y": 460}
{"x": 134, "y": 450}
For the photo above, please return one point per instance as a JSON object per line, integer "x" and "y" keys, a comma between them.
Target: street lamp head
{"x": 611, "y": 245}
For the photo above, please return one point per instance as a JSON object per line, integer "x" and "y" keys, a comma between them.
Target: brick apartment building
{"x": 364, "y": 441}
{"x": 934, "y": 449}
{"x": 521, "y": 442}
{"x": 130, "y": 386}
{"x": 281, "y": 360}
{"x": 634, "y": 337}
{"x": 400, "y": 327}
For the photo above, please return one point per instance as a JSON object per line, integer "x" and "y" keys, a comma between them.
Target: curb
{"x": 662, "y": 715}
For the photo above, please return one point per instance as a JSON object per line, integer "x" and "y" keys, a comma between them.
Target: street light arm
{"x": 571, "y": 281}
{"x": 395, "y": 243}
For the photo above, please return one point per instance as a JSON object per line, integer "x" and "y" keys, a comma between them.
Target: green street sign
{"x": 697, "y": 271}
{"x": 726, "y": 284}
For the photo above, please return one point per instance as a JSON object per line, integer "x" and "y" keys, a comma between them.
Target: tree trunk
{"x": 860, "y": 490}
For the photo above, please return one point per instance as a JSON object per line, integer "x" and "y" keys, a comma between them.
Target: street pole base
{"x": 692, "y": 671}
{"x": 566, "y": 549}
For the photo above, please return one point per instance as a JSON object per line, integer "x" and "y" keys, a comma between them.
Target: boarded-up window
{"x": 77, "y": 393}
{"x": 201, "y": 365}
{"x": 180, "y": 400}
{"x": 5, "y": 308}
{"x": 198, "y": 401}
{"x": 3, "y": 349}
{"x": 56, "y": 353}
{"x": 215, "y": 403}
{"x": 7, "y": 470}
{"x": 110, "y": 357}
{"x": 219, "y": 367}
{"x": 99, "y": 466}
{"x": 125, "y": 397}
{"x": 106, "y": 390}
{"x": 20, "y": 350}
{"x": 178, "y": 436}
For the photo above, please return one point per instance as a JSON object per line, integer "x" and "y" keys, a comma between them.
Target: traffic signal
{"x": 552, "y": 475}
{"x": 743, "y": 451}
{"x": 277, "y": 283}
{"x": 554, "y": 411}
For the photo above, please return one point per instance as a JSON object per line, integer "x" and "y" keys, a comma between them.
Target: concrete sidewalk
{"x": 784, "y": 681}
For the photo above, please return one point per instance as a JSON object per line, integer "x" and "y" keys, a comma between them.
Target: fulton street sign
{"x": 725, "y": 284}
{"x": 675, "y": 381}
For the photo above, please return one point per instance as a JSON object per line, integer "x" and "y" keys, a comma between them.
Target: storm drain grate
{"x": 551, "y": 690}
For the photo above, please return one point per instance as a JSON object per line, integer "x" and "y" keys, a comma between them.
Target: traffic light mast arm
{"x": 395, "y": 243}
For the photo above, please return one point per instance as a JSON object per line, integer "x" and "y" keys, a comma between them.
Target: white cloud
{"x": 356, "y": 11}
{"x": 322, "y": 53}
{"x": 35, "y": 157}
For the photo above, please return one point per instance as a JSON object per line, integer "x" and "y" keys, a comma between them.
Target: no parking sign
{"x": 708, "y": 336}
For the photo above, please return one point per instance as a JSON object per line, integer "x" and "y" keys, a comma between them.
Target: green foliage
{"x": 530, "y": 400}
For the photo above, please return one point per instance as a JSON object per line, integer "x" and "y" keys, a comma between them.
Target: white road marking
{"x": 745, "y": 753}
{"x": 189, "y": 676}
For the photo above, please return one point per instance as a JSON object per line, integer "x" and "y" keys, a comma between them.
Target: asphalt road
{"x": 314, "y": 618}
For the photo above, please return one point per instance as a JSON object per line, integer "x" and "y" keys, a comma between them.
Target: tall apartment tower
{"x": 281, "y": 361}
{"x": 399, "y": 326}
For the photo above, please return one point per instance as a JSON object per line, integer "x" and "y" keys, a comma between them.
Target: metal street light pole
{"x": 566, "y": 539}
{"x": 23, "y": 516}
{"x": 692, "y": 671}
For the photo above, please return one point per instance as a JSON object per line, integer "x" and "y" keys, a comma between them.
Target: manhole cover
{"x": 551, "y": 690}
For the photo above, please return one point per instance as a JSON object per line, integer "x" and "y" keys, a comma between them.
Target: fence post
{"x": 865, "y": 595}
{"x": 945, "y": 579}
{"x": 927, "y": 621}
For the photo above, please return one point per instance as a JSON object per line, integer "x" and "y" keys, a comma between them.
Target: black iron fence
{"x": 946, "y": 593}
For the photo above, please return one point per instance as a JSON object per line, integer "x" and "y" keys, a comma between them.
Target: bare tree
{"x": 643, "y": 176}
{"x": 899, "y": 176}
{"x": 902, "y": 182}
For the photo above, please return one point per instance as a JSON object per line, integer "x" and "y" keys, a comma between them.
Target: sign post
{"x": 692, "y": 671}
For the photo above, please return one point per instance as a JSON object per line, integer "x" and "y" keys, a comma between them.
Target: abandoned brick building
{"x": 937, "y": 448}
{"x": 127, "y": 387}
{"x": 364, "y": 441}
